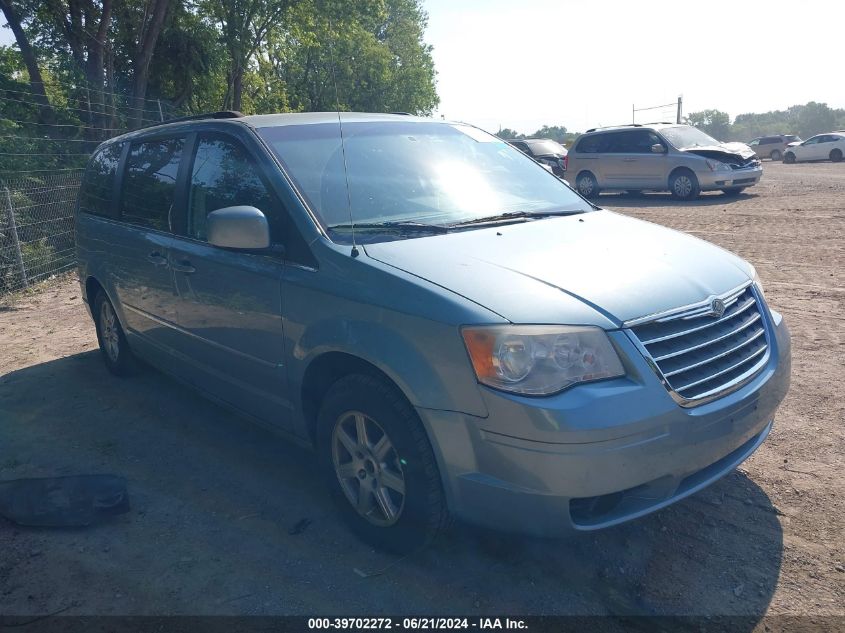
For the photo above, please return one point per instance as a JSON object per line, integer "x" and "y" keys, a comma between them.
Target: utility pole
{"x": 680, "y": 109}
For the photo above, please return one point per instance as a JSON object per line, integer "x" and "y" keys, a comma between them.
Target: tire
{"x": 732, "y": 192}
{"x": 836, "y": 155}
{"x": 683, "y": 185}
{"x": 403, "y": 507}
{"x": 789, "y": 158}
{"x": 587, "y": 185}
{"x": 113, "y": 346}
{"x": 775, "y": 155}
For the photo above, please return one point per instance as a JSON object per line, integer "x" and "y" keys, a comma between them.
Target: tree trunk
{"x": 46, "y": 114}
{"x": 237, "y": 87}
{"x": 95, "y": 77}
{"x": 146, "y": 47}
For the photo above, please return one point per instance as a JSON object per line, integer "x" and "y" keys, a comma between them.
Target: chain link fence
{"x": 36, "y": 227}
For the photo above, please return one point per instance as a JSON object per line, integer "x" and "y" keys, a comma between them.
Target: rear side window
{"x": 592, "y": 144}
{"x": 95, "y": 195}
{"x": 224, "y": 175}
{"x": 770, "y": 139}
{"x": 149, "y": 184}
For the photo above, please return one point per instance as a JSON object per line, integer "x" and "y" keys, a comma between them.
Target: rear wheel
{"x": 733, "y": 191}
{"x": 684, "y": 185}
{"x": 112, "y": 340}
{"x": 789, "y": 158}
{"x": 836, "y": 155}
{"x": 775, "y": 155}
{"x": 587, "y": 185}
{"x": 379, "y": 464}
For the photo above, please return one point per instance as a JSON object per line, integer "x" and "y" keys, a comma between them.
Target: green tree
{"x": 714, "y": 122}
{"x": 507, "y": 133}
{"x": 555, "y": 132}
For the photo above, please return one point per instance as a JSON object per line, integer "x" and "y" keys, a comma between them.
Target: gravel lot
{"x": 221, "y": 508}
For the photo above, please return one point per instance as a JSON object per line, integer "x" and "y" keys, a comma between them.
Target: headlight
{"x": 540, "y": 359}
{"x": 715, "y": 165}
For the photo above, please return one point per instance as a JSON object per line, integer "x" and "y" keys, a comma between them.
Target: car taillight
{"x": 566, "y": 162}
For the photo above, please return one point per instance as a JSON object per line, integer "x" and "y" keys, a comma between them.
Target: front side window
{"x": 149, "y": 184}
{"x": 224, "y": 175}
{"x": 96, "y": 193}
{"x": 424, "y": 172}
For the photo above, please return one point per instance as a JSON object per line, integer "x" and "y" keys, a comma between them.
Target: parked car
{"x": 819, "y": 147}
{"x": 658, "y": 157}
{"x": 544, "y": 151}
{"x": 453, "y": 330}
{"x": 773, "y": 146}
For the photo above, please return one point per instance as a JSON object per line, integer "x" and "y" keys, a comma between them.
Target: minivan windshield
{"x": 413, "y": 174}
{"x": 685, "y": 136}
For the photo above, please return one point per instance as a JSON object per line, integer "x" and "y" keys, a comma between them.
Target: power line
{"x": 28, "y": 171}
{"x": 58, "y": 107}
{"x": 49, "y": 140}
{"x": 56, "y": 154}
{"x": 73, "y": 125}
{"x": 80, "y": 100}
{"x": 89, "y": 89}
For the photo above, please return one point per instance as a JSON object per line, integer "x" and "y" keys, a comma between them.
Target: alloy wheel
{"x": 368, "y": 468}
{"x": 109, "y": 331}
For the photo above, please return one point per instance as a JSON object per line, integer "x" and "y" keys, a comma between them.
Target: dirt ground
{"x": 229, "y": 519}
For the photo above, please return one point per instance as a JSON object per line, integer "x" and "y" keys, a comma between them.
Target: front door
{"x": 230, "y": 302}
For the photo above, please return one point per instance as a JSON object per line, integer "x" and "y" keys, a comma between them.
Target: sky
{"x": 522, "y": 64}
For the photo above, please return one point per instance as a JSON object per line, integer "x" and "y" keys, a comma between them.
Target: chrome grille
{"x": 700, "y": 356}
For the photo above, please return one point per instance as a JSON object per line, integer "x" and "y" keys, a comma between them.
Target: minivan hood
{"x": 723, "y": 151}
{"x": 598, "y": 268}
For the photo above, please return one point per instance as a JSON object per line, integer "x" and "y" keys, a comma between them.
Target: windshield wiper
{"x": 401, "y": 227}
{"x": 513, "y": 216}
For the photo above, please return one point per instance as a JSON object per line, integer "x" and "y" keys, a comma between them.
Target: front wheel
{"x": 379, "y": 464}
{"x": 789, "y": 158}
{"x": 684, "y": 185}
{"x": 836, "y": 155}
{"x": 775, "y": 155}
{"x": 112, "y": 340}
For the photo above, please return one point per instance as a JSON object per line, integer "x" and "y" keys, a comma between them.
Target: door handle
{"x": 629, "y": 160}
{"x": 157, "y": 259}
{"x": 183, "y": 266}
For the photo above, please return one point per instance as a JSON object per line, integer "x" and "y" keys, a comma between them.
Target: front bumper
{"x": 601, "y": 453}
{"x": 733, "y": 178}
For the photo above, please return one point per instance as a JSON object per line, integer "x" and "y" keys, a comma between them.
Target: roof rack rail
{"x": 610, "y": 127}
{"x": 222, "y": 114}
{"x": 402, "y": 113}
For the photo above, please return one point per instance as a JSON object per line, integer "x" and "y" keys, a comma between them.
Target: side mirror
{"x": 658, "y": 148}
{"x": 239, "y": 227}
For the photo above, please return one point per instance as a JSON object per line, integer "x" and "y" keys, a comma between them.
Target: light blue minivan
{"x": 452, "y": 329}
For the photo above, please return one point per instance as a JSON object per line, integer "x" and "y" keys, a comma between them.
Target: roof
{"x": 633, "y": 126}
{"x": 270, "y": 120}
{"x": 307, "y": 118}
